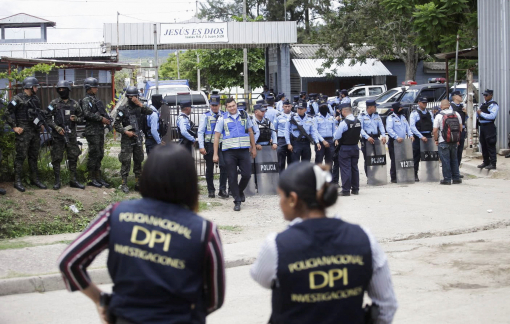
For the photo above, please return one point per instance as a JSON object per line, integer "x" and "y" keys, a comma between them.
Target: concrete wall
{"x": 398, "y": 69}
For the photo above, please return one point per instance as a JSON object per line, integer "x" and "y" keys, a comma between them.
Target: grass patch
{"x": 231, "y": 228}
{"x": 203, "y": 205}
{"x": 6, "y": 245}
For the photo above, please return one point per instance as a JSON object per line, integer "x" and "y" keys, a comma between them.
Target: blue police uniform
{"x": 313, "y": 107}
{"x": 184, "y": 127}
{"x": 421, "y": 124}
{"x": 308, "y": 290}
{"x": 324, "y": 127}
{"x": 284, "y": 154}
{"x": 235, "y": 147}
{"x": 345, "y": 100}
{"x": 152, "y": 137}
{"x": 347, "y": 134}
{"x": 300, "y": 144}
{"x": 265, "y": 131}
{"x": 488, "y": 132}
{"x": 371, "y": 126}
{"x": 206, "y": 141}
{"x": 271, "y": 113}
{"x": 397, "y": 127}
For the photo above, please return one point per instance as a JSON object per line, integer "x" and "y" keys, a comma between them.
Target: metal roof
{"x": 436, "y": 66}
{"x": 56, "y": 50}
{"x": 24, "y": 20}
{"x": 468, "y": 53}
{"x": 240, "y": 34}
{"x": 307, "y": 68}
{"x": 71, "y": 64}
{"x": 308, "y": 51}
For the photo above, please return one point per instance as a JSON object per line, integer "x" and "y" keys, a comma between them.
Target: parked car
{"x": 362, "y": 90}
{"x": 391, "y": 95}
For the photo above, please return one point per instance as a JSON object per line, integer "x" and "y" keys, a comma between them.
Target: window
{"x": 66, "y": 74}
{"x": 409, "y": 96}
{"x": 358, "y": 93}
{"x": 374, "y": 91}
{"x": 429, "y": 94}
{"x": 386, "y": 96}
{"x": 439, "y": 93}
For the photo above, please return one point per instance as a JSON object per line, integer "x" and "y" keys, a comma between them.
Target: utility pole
{"x": 117, "y": 36}
{"x": 178, "y": 72}
{"x": 198, "y": 73}
{"x": 456, "y": 65}
{"x": 245, "y": 59}
{"x": 469, "y": 126}
{"x": 156, "y": 66}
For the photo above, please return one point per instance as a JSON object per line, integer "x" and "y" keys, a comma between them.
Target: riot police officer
{"x": 279, "y": 105}
{"x": 398, "y": 129}
{"x": 344, "y": 94}
{"x": 324, "y": 127}
{"x": 372, "y": 128}
{"x": 266, "y": 134}
{"x": 299, "y": 134}
{"x": 177, "y": 277}
{"x": 185, "y": 126}
{"x": 62, "y": 115}
{"x": 284, "y": 154}
{"x": 312, "y": 108}
{"x": 129, "y": 117}
{"x": 206, "y": 128}
{"x": 238, "y": 140}
{"x": 320, "y": 267}
{"x": 486, "y": 117}
{"x": 96, "y": 120}
{"x": 271, "y": 111}
{"x": 347, "y": 136}
{"x": 25, "y": 108}
{"x": 421, "y": 125}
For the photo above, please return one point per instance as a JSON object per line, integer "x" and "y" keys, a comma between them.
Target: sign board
{"x": 193, "y": 33}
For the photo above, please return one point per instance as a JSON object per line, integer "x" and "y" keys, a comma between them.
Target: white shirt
{"x": 438, "y": 122}
{"x": 380, "y": 288}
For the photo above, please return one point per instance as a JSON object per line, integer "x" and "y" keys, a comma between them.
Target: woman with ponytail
{"x": 320, "y": 267}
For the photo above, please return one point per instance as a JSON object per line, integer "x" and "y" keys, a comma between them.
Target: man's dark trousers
{"x": 391, "y": 149}
{"x": 460, "y": 148}
{"x": 284, "y": 155}
{"x": 488, "y": 139}
{"x": 301, "y": 151}
{"x": 348, "y": 157}
{"x": 150, "y": 143}
{"x": 209, "y": 168}
{"x": 417, "y": 150}
{"x": 325, "y": 153}
{"x": 238, "y": 158}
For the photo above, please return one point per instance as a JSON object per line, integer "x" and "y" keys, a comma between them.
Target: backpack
{"x": 451, "y": 128}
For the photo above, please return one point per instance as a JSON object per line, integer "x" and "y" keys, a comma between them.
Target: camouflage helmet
{"x": 131, "y": 91}
{"x": 30, "y": 82}
{"x": 90, "y": 83}
{"x": 64, "y": 84}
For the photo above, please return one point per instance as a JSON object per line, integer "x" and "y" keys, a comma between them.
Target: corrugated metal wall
{"x": 494, "y": 58}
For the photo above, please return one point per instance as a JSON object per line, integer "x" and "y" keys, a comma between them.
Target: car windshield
{"x": 385, "y": 96}
{"x": 410, "y": 96}
{"x": 463, "y": 92}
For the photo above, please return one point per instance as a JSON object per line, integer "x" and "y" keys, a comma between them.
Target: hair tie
{"x": 321, "y": 177}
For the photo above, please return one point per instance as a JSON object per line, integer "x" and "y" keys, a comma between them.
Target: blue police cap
{"x": 259, "y": 107}
{"x": 185, "y": 104}
{"x": 424, "y": 99}
{"x": 270, "y": 98}
{"x": 371, "y": 103}
{"x": 488, "y": 92}
{"x": 323, "y": 101}
{"x": 214, "y": 101}
{"x": 302, "y": 93}
{"x": 344, "y": 105}
{"x": 260, "y": 102}
{"x": 296, "y": 98}
{"x": 286, "y": 102}
{"x": 302, "y": 104}
{"x": 343, "y": 91}
{"x": 241, "y": 105}
{"x": 396, "y": 105}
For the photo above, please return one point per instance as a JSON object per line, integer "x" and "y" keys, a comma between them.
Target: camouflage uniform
{"x": 94, "y": 133}
{"x": 128, "y": 145}
{"x": 58, "y": 115}
{"x": 29, "y": 142}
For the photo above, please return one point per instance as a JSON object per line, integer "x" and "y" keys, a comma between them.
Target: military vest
{"x": 265, "y": 130}
{"x": 156, "y": 262}
{"x": 324, "y": 267}
{"x": 23, "y": 112}
{"x": 425, "y": 123}
{"x": 351, "y": 135}
{"x": 485, "y": 109}
{"x": 62, "y": 112}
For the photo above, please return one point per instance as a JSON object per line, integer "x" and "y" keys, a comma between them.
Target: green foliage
{"x": 18, "y": 75}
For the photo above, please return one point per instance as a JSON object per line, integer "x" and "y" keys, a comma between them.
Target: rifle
{"x": 66, "y": 128}
{"x": 39, "y": 118}
{"x": 301, "y": 130}
{"x": 102, "y": 111}
{"x": 138, "y": 132}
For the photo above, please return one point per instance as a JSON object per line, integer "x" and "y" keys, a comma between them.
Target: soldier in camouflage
{"x": 26, "y": 127}
{"x": 62, "y": 115}
{"x": 128, "y": 145}
{"x": 94, "y": 132}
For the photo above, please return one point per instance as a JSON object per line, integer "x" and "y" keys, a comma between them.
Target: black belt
{"x": 304, "y": 139}
{"x": 375, "y": 136}
{"x": 489, "y": 123}
{"x": 328, "y": 138}
{"x": 281, "y": 136}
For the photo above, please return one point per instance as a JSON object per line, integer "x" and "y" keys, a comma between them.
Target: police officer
{"x": 238, "y": 141}
{"x": 128, "y": 141}
{"x": 347, "y": 136}
{"x": 372, "y": 128}
{"x": 324, "y": 126}
{"x": 284, "y": 154}
{"x": 271, "y": 111}
{"x": 302, "y": 96}
{"x": 177, "y": 277}
{"x": 62, "y": 115}
{"x": 458, "y": 106}
{"x": 266, "y": 134}
{"x": 94, "y": 132}
{"x": 206, "y": 128}
{"x": 152, "y": 136}
{"x": 185, "y": 126}
{"x": 422, "y": 123}
{"x": 302, "y": 264}
{"x": 345, "y": 96}
{"x": 312, "y": 108}
{"x": 266, "y": 91}
{"x": 279, "y": 105}
{"x": 398, "y": 129}
{"x": 486, "y": 117}
{"x": 241, "y": 105}
{"x": 27, "y": 129}
{"x": 298, "y": 141}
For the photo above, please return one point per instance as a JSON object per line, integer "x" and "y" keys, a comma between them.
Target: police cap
{"x": 371, "y": 103}
{"x": 241, "y": 105}
{"x": 185, "y": 104}
{"x": 215, "y": 100}
{"x": 424, "y": 99}
{"x": 301, "y": 104}
{"x": 286, "y": 102}
{"x": 270, "y": 99}
{"x": 260, "y": 102}
{"x": 296, "y": 98}
{"x": 396, "y": 105}
{"x": 259, "y": 107}
{"x": 488, "y": 92}
{"x": 344, "y": 92}
{"x": 456, "y": 93}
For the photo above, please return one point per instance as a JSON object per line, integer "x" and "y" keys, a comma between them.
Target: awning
{"x": 71, "y": 64}
{"x": 307, "y": 68}
{"x": 467, "y": 53}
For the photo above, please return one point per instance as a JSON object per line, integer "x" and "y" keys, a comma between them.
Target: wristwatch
{"x": 104, "y": 299}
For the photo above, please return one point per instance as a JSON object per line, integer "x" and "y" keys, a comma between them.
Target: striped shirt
{"x": 380, "y": 288}
{"x": 81, "y": 252}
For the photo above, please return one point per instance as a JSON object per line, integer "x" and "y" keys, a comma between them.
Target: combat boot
{"x": 74, "y": 183}
{"x": 57, "y": 180}
{"x": 137, "y": 184}
{"x": 36, "y": 182}
{"x": 2, "y": 191}
{"x": 93, "y": 181}
{"x": 17, "y": 182}
{"x": 124, "y": 186}
{"x": 101, "y": 180}
{"x": 222, "y": 194}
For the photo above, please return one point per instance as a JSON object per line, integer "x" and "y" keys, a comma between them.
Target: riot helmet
{"x": 64, "y": 84}
{"x": 63, "y": 89}
{"x": 131, "y": 91}
{"x": 90, "y": 83}
{"x": 30, "y": 82}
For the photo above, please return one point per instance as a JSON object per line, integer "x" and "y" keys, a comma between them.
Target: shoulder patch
{"x": 14, "y": 103}
{"x": 121, "y": 113}
{"x": 50, "y": 107}
{"x": 90, "y": 103}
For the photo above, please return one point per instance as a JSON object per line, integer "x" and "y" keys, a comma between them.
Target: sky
{"x": 82, "y": 20}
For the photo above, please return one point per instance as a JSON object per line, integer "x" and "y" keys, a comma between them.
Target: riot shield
{"x": 266, "y": 171}
{"x": 404, "y": 162}
{"x": 377, "y": 171}
{"x": 429, "y": 165}
{"x": 251, "y": 188}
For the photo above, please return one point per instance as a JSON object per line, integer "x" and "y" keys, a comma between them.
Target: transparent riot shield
{"x": 404, "y": 162}
{"x": 429, "y": 164}
{"x": 377, "y": 174}
{"x": 266, "y": 171}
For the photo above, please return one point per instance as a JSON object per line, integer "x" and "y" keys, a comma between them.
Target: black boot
{"x": 223, "y": 194}
{"x": 237, "y": 206}
{"x": 137, "y": 184}
{"x": 483, "y": 165}
{"x": 93, "y": 181}
{"x": 56, "y": 171}
{"x": 211, "y": 194}
{"x": 416, "y": 179}
{"x": 101, "y": 180}
{"x": 490, "y": 167}
{"x": 74, "y": 183}
{"x": 124, "y": 186}
{"x": 36, "y": 182}
{"x": 17, "y": 181}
